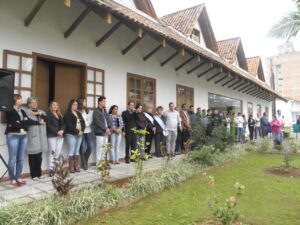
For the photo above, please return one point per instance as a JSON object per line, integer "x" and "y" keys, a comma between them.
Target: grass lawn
{"x": 268, "y": 199}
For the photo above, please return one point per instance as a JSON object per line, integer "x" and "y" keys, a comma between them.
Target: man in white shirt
{"x": 172, "y": 122}
{"x": 257, "y": 126}
{"x": 239, "y": 120}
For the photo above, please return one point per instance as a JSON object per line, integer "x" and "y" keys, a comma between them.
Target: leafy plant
{"x": 250, "y": 146}
{"x": 102, "y": 165}
{"x": 225, "y": 212}
{"x": 294, "y": 145}
{"x": 204, "y": 155}
{"x": 139, "y": 155}
{"x": 220, "y": 138}
{"x": 199, "y": 134}
{"x": 60, "y": 180}
{"x": 264, "y": 145}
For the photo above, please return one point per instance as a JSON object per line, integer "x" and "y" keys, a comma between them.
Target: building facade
{"x": 119, "y": 49}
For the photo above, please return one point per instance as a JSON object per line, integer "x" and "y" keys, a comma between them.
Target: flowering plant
{"x": 226, "y": 212}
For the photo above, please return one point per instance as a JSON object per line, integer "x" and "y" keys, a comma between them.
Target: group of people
{"x": 34, "y": 131}
{"x": 30, "y": 129}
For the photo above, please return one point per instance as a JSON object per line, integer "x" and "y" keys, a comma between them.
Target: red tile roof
{"x": 228, "y": 48}
{"x": 184, "y": 20}
{"x": 253, "y": 65}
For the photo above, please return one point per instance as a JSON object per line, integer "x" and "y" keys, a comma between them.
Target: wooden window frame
{"x": 185, "y": 87}
{"x": 142, "y": 78}
{"x": 19, "y": 87}
{"x": 95, "y": 95}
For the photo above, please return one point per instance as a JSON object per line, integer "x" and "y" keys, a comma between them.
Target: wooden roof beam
{"x": 235, "y": 83}
{"x": 76, "y": 23}
{"x": 223, "y": 78}
{"x": 162, "y": 44}
{"x": 134, "y": 42}
{"x": 206, "y": 71}
{"x": 248, "y": 89}
{"x": 33, "y": 12}
{"x": 241, "y": 85}
{"x": 245, "y": 88}
{"x": 169, "y": 58}
{"x": 196, "y": 67}
{"x": 215, "y": 75}
{"x": 184, "y": 63}
{"x": 252, "y": 91}
{"x": 229, "y": 81}
{"x": 108, "y": 34}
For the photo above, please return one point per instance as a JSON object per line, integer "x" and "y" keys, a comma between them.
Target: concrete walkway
{"x": 35, "y": 190}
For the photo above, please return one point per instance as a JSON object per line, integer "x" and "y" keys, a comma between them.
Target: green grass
{"x": 268, "y": 199}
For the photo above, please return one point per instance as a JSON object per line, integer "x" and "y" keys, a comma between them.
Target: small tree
{"x": 60, "y": 180}
{"x": 102, "y": 165}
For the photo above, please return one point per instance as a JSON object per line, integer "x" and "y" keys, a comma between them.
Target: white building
{"x": 122, "y": 50}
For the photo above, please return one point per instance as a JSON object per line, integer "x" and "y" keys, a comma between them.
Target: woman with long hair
{"x": 87, "y": 144}
{"x": 116, "y": 136}
{"x": 16, "y": 139}
{"x": 251, "y": 126}
{"x": 55, "y": 134}
{"x": 75, "y": 126}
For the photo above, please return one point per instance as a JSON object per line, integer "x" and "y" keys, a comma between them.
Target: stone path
{"x": 35, "y": 190}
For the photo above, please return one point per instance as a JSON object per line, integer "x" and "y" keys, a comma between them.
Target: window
{"x": 21, "y": 64}
{"x": 185, "y": 95}
{"x": 141, "y": 89}
{"x": 196, "y": 35}
{"x": 259, "y": 109}
{"x": 224, "y": 104}
{"x": 250, "y": 109}
{"x": 94, "y": 86}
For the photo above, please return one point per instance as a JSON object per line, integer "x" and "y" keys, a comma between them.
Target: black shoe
{"x": 127, "y": 161}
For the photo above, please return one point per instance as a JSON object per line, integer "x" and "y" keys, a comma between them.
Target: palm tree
{"x": 288, "y": 26}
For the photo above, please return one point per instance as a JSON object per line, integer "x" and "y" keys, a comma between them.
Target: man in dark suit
{"x": 128, "y": 117}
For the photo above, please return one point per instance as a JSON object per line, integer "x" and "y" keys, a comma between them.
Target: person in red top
{"x": 276, "y": 130}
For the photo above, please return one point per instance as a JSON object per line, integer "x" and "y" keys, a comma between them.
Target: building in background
{"x": 284, "y": 76}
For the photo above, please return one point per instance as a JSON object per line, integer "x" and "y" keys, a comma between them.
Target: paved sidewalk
{"x": 34, "y": 190}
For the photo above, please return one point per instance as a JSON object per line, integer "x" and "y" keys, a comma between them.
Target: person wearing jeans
{"x": 101, "y": 126}
{"x": 87, "y": 144}
{"x": 16, "y": 139}
{"x": 173, "y": 121}
{"x": 240, "y": 128}
{"x": 55, "y": 134}
{"x": 75, "y": 126}
{"x": 116, "y": 136}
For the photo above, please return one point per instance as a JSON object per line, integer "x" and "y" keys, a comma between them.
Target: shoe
{"x": 127, "y": 161}
{"x": 41, "y": 177}
{"x": 71, "y": 164}
{"x": 117, "y": 163}
{"x": 21, "y": 181}
{"x": 51, "y": 173}
{"x": 76, "y": 164}
{"x": 14, "y": 183}
{"x": 35, "y": 178}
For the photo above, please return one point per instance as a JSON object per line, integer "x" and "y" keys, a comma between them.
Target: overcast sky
{"x": 249, "y": 19}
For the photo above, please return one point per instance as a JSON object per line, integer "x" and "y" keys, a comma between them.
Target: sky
{"x": 249, "y": 19}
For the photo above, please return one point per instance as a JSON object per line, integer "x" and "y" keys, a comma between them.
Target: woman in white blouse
{"x": 87, "y": 144}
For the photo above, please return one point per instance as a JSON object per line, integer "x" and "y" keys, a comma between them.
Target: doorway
{"x": 59, "y": 80}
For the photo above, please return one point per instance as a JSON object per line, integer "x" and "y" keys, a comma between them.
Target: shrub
{"x": 294, "y": 145}
{"x": 204, "y": 155}
{"x": 199, "y": 134}
{"x": 220, "y": 138}
{"x": 225, "y": 212}
{"x": 60, "y": 180}
{"x": 250, "y": 146}
{"x": 264, "y": 145}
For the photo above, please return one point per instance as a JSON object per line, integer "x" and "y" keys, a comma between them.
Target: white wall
{"x": 45, "y": 35}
